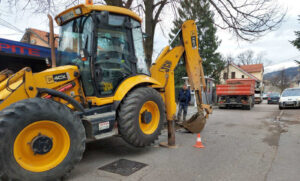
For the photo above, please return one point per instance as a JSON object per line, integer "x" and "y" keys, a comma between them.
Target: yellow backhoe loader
{"x": 100, "y": 87}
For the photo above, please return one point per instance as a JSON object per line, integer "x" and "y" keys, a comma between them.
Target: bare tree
{"x": 248, "y": 19}
{"x": 152, "y": 13}
{"x": 280, "y": 80}
{"x": 248, "y": 57}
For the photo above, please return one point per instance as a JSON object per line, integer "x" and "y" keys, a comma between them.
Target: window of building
{"x": 243, "y": 76}
{"x": 225, "y": 75}
{"x": 233, "y": 75}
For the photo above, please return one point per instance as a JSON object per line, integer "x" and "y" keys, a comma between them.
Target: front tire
{"x": 40, "y": 140}
{"x": 141, "y": 116}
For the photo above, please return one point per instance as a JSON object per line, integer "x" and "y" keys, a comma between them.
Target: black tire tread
{"x": 128, "y": 111}
{"x": 11, "y": 117}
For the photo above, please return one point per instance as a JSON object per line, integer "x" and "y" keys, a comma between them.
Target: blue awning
{"x": 24, "y": 49}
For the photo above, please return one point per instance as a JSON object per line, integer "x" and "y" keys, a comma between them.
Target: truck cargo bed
{"x": 235, "y": 89}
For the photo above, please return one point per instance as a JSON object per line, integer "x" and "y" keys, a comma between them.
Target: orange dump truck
{"x": 236, "y": 93}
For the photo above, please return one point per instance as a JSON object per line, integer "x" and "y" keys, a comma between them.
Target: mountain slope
{"x": 291, "y": 73}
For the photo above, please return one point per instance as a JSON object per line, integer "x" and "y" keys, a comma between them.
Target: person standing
{"x": 184, "y": 98}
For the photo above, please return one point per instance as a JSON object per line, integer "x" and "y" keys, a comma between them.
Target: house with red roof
{"x": 256, "y": 70}
{"x": 38, "y": 37}
{"x": 233, "y": 71}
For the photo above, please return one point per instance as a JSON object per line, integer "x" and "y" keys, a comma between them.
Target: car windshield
{"x": 274, "y": 94}
{"x": 291, "y": 92}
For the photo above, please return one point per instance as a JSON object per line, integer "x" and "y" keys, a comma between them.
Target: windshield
{"x": 291, "y": 92}
{"x": 274, "y": 94}
{"x": 74, "y": 35}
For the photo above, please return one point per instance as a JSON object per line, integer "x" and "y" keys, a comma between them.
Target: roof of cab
{"x": 114, "y": 9}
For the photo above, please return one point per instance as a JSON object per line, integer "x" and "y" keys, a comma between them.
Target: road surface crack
{"x": 273, "y": 139}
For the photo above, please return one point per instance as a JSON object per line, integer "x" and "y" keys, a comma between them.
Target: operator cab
{"x": 106, "y": 46}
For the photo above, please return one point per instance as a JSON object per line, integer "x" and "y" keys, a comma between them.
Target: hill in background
{"x": 291, "y": 73}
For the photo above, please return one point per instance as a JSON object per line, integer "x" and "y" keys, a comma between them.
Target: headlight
{"x": 78, "y": 11}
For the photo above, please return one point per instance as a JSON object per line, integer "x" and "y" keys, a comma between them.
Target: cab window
{"x": 113, "y": 55}
{"x": 139, "y": 48}
{"x": 74, "y": 36}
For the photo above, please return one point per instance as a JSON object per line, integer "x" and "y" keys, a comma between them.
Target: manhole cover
{"x": 123, "y": 167}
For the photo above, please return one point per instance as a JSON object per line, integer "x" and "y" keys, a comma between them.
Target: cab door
{"x": 115, "y": 60}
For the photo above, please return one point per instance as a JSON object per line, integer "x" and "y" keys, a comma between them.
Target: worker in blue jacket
{"x": 184, "y": 99}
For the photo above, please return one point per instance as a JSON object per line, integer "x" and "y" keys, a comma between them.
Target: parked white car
{"x": 290, "y": 98}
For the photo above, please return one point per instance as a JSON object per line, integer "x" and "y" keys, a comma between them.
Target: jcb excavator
{"x": 101, "y": 86}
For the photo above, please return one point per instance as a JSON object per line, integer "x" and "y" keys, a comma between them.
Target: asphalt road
{"x": 262, "y": 144}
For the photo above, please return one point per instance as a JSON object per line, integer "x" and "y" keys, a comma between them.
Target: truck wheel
{"x": 141, "y": 116}
{"x": 40, "y": 140}
{"x": 249, "y": 106}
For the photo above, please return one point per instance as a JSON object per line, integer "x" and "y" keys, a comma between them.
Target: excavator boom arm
{"x": 163, "y": 71}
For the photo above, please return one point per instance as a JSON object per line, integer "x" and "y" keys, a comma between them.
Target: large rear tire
{"x": 40, "y": 140}
{"x": 249, "y": 106}
{"x": 141, "y": 116}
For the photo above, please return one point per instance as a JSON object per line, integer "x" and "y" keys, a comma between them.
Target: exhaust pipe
{"x": 52, "y": 41}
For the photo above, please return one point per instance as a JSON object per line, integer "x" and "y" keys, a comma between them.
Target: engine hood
{"x": 289, "y": 98}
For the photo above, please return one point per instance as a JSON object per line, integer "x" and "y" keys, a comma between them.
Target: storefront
{"x": 16, "y": 55}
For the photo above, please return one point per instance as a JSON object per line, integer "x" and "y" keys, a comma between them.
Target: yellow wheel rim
{"x": 33, "y": 162}
{"x": 152, "y": 124}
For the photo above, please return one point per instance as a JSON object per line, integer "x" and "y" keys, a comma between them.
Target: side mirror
{"x": 84, "y": 54}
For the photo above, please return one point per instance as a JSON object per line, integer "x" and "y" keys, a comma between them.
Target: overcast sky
{"x": 275, "y": 45}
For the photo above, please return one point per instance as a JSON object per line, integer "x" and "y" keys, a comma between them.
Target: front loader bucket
{"x": 196, "y": 123}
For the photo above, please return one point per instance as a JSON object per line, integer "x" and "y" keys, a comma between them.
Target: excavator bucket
{"x": 196, "y": 123}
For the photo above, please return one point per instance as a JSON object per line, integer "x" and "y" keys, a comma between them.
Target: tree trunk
{"x": 152, "y": 12}
{"x": 149, "y": 28}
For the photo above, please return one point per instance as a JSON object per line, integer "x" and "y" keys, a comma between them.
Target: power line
{"x": 10, "y": 26}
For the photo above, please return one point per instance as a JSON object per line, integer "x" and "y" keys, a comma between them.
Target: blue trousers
{"x": 182, "y": 108}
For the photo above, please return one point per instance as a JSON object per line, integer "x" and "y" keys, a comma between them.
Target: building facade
{"x": 233, "y": 71}
{"x": 38, "y": 37}
{"x": 256, "y": 70}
